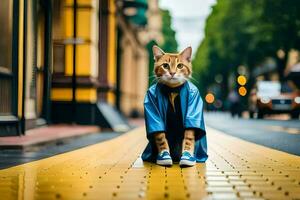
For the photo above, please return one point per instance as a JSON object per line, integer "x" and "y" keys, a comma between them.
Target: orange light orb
{"x": 242, "y": 80}
{"x": 242, "y": 91}
{"x": 209, "y": 98}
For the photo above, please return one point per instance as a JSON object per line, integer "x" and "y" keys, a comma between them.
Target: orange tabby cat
{"x": 173, "y": 70}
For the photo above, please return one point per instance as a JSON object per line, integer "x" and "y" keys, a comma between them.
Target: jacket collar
{"x": 167, "y": 90}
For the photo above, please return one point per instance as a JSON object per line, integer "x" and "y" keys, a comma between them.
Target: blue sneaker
{"x": 187, "y": 159}
{"x": 164, "y": 158}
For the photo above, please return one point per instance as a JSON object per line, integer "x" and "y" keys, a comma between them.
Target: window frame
{"x": 11, "y": 72}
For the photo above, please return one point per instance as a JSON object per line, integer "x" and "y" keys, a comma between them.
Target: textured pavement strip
{"x": 236, "y": 169}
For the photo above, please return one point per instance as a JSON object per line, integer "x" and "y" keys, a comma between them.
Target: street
{"x": 283, "y": 135}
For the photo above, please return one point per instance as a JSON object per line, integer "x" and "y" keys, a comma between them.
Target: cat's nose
{"x": 172, "y": 73}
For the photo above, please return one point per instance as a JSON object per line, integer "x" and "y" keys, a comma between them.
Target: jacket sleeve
{"x": 153, "y": 118}
{"x": 194, "y": 116}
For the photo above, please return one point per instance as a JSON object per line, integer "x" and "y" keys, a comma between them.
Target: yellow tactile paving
{"x": 236, "y": 169}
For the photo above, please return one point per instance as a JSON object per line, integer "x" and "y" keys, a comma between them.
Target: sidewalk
{"x": 46, "y": 134}
{"x": 236, "y": 169}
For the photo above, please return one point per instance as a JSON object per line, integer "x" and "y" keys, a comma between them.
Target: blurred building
{"x": 62, "y": 63}
{"x": 135, "y": 57}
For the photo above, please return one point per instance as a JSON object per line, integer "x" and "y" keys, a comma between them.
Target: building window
{"x": 59, "y": 58}
{"x": 6, "y": 57}
{"x": 58, "y": 37}
{"x": 64, "y": 39}
{"x": 6, "y": 35}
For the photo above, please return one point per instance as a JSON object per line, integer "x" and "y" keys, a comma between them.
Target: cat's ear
{"x": 186, "y": 54}
{"x": 157, "y": 52}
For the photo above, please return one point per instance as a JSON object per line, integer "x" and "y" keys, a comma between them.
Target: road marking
{"x": 288, "y": 130}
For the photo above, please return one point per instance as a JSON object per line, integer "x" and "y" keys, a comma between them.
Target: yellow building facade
{"x": 137, "y": 32}
{"x": 47, "y": 40}
{"x": 72, "y": 61}
{"x": 84, "y": 59}
{"x": 25, "y": 68}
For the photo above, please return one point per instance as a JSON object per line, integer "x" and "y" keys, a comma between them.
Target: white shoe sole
{"x": 164, "y": 162}
{"x": 187, "y": 163}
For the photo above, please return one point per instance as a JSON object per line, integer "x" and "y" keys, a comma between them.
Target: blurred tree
{"x": 242, "y": 32}
{"x": 151, "y": 61}
{"x": 170, "y": 43}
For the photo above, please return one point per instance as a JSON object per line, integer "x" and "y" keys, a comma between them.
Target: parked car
{"x": 271, "y": 97}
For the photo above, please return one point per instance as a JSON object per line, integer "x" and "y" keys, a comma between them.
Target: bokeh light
{"x": 209, "y": 98}
{"x": 242, "y": 80}
{"x": 242, "y": 91}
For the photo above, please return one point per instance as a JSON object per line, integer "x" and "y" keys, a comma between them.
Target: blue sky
{"x": 188, "y": 20}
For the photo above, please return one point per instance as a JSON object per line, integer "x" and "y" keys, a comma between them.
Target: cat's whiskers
{"x": 152, "y": 76}
{"x": 192, "y": 78}
{"x": 153, "y": 81}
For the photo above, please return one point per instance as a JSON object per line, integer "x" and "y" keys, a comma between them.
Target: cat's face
{"x": 172, "y": 69}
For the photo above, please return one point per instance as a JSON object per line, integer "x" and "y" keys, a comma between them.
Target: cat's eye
{"x": 180, "y": 66}
{"x": 166, "y": 65}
